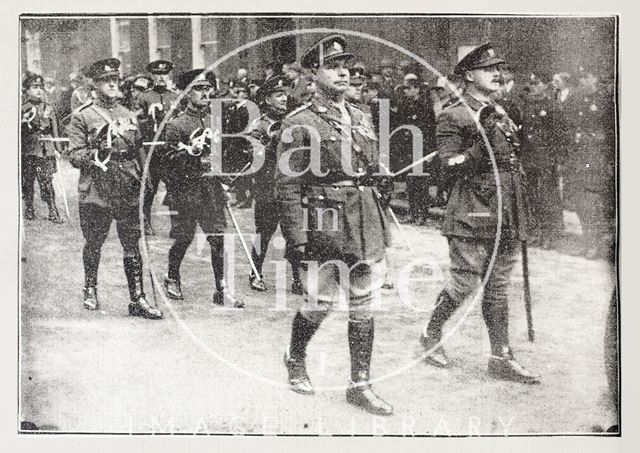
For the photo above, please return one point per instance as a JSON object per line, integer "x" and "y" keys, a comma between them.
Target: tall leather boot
{"x": 359, "y": 391}
{"x": 296, "y": 285}
{"x": 302, "y": 330}
{"x": 91, "y": 262}
{"x": 222, "y": 295}
{"x": 139, "y": 305}
{"x": 432, "y": 333}
{"x": 54, "y": 215}
{"x": 502, "y": 364}
{"x": 29, "y": 212}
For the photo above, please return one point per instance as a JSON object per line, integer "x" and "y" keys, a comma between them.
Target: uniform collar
{"x": 100, "y": 102}
{"x": 473, "y": 102}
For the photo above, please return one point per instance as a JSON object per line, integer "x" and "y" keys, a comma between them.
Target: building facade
{"x": 59, "y": 46}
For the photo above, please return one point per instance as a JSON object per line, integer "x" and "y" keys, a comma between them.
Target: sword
{"x": 429, "y": 157}
{"x": 242, "y": 241}
{"x": 62, "y": 191}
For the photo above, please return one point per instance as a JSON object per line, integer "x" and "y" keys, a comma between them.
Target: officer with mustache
{"x": 471, "y": 216}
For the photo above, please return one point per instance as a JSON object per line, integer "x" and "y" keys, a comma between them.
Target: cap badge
{"x": 492, "y": 53}
{"x": 107, "y": 68}
{"x": 337, "y": 46}
{"x": 162, "y": 66}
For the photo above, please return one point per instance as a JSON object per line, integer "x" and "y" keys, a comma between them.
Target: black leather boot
{"x": 54, "y": 215}
{"x": 139, "y": 305}
{"x": 222, "y": 295}
{"x": 173, "y": 288}
{"x": 296, "y": 286}
{"x": 256, "y": 282}
{"x": 432, "y": 333}
{"x": 505, "y": 367}
{"x": 359, "y": 391}
{"x": 302, "y": 330}
{"x": 91, "y": 298}
{"x": 29, "y": 212}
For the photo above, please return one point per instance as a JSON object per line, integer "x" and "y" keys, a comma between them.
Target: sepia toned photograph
{"x": 319, "y": 225}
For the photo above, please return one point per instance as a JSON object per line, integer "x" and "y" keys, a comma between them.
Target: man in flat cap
{"x": 38, "y": 147}
{"x": 106, "y": 145}
{"x": 151, "y": 107}
{"x": 471, "y": 217}
{"x": 332, "y": 218}
{"x": 197, "y": 197}
{"x": 273, "y": 97}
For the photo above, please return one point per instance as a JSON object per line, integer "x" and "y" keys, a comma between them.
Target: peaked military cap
{"x": 160, "y": 67}
{"x": 481, "y": 57}
{"x": 273, "y": 85}
{"x": 328, "y": 48}
{"x": 103, "y": 68}
{"x": 358, "y": 76}
{"x": 32, "y": 79}
{"x": 197, "y": 76}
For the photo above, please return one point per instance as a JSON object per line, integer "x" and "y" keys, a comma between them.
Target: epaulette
{"x": 304, "y": 106}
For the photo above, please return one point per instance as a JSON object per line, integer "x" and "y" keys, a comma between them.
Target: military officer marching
{"x": 471, "y": 217}
{"x": 39, "y": 147}
{"x": 273, "y": 95}
{"x": 151, "y": 106}
{"x": 197, "y": 197}
{"x": 358, "y": 233}
{"x": 106, "y": 145}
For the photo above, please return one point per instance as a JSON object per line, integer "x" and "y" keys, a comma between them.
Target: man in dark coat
{"x": 471, "y": 218}
{"x": 151, "y": 106}
{"x": 414, "y": 110}
{"x": 106, "y": 145}
{"x": 197, "y": 197}
{"x": 38, "y": 147}
{"x": 325, "y": 153}
{"x": 592, "y": 160}
{"x": 540, "y": 158}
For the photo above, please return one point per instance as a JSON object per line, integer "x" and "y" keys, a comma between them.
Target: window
{"x": 164, "y": 39}
{"x": 124, "y": 44}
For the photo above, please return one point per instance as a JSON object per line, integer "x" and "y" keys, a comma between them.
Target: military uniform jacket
{"x": 188, "y": 189}
{"x": 472, "y": 208}
{"x": 119, "y": 185}
{"x": 158, "y": 97}
{"x": 362, "y": 230}
{"x": 416, "y": 112}
{"x": 541, "y": 132}
{"x": 38, "y": 122}
{"x": 265, "y": 129}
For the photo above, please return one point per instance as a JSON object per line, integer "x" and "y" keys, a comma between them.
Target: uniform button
{"x": 320, "y": 197}
{"x": 360, "y": 170}
{"x": 333, "y": 138}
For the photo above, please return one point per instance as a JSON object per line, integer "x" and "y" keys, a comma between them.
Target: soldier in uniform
{"x": 358, "y": 235}
{"x": 415, "y": 109}
{"x": 235, "y": 118}
{"x": 106, "y": 145}
{"x": 197, "y": 197}
{"x": 39, "y": 129}
{"x": 470, "y": 220}
{"x": 151, "y": 107}
{"x": 540, "y": 159}
{"x": 273, "y": 95}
